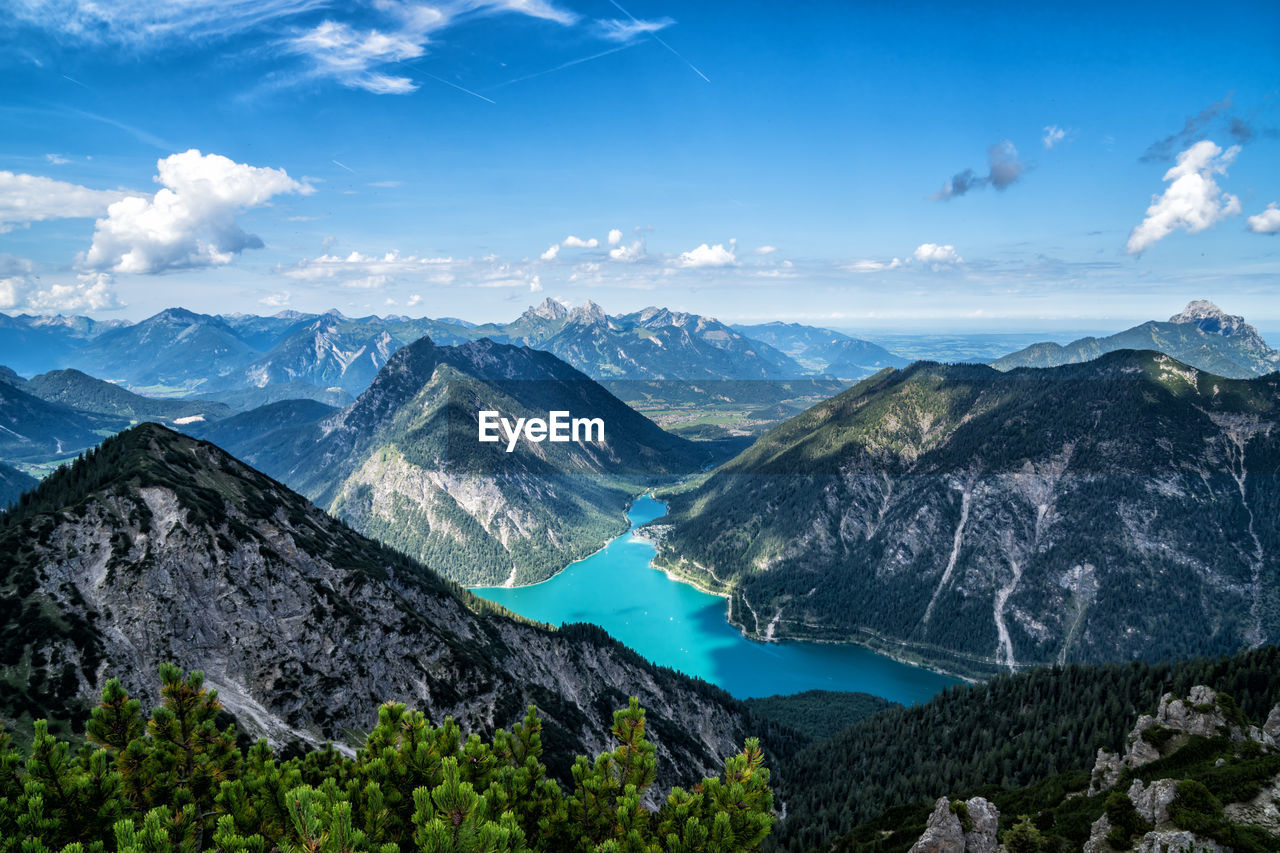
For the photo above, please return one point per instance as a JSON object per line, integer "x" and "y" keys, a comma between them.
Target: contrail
{"x": 345, "y": 166}
{"x": 459, "y": 88}
{"x": 659, "y": 40}
{"x": 564, "y": 65}
{"x": 74, "y": 80}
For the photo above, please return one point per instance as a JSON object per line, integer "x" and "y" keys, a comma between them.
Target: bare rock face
{"x": 1097, "y": 842}
{"x": 962, "y": 827}
{"x": 1153, "y": 802}
{"x": 1262, "y": 811}
{"x": 1272, "y": 725}
{"x": 943, "y": 833}
{"x": 1176, "y": 841}
{"x": 1198, "y": 714}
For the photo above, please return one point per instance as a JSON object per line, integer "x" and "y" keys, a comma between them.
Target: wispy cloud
{"x": 630, "y": 29}
{"x": 1197, "y": 127}
{"x": 139, "y": 23}
{"x": 1003, "y": 170}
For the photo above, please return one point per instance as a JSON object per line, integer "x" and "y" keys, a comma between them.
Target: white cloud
{"x": 1266, "y": 222}
{"x": 367, "y": 272}
{"x": 709, "y": 256}
{"x": 21, "y": 290}
{"x": 139, "y": 22}
{"x": 551, "y": 252}
{"x": 56, "y": 160}
{"x": 190, "y": 223}
{"x": 628, "y": 254}
{"x": 32, "y": 198}
{"x": 414, "y": 300}
{"x": 615, "y": 236}
{"x": 572, "y": 242}
{"x": 276, "y": 300}
{"x": 353, "y": 57}
{"x": 766, "y": 250}
{"x": 937, "y": 256}
{"x": 1053, "y": 135}
{"x": 535, "y": 284}
{"x": 1192, "y": 201}
{"x": 865, "y": 266}
{"x": 347, "y": 55}
{"x": 615, "y": 29}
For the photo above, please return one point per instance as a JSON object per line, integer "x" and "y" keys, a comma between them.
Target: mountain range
{"x": 1201, "y": 335}
{"x": 979, "y": 520}
{"x": 159, "y": 548}
{"x": 403, "y": 463}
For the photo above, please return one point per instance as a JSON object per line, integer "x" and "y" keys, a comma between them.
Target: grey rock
{"x": 943, "y": 833}
{"x": 1153, "y": 802}
{"x": 1176, "y": 841}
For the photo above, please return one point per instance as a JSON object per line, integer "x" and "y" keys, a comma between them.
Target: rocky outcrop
{"x": 1200, "y": 713}
{"x": 960, "y": 826}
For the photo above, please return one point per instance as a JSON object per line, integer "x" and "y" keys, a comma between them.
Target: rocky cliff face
{"x": 162, "y": 548}
{"x": 983, "y": 521}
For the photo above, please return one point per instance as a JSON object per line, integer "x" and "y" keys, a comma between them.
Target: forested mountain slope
{"x": 1038, "y": 728}
{"x": 981, "y": 520}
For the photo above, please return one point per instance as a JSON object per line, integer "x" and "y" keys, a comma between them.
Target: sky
{"x": 853, "y": 164}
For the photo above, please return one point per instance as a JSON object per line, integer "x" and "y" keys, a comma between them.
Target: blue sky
{"x": 849, "y": 164}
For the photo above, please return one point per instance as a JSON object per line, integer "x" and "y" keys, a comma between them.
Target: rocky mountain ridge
{"x": 158, "y": 547}
{"x": 1202, "y": 335}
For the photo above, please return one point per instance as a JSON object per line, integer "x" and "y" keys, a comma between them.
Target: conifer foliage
{"x": 175, "y": 783}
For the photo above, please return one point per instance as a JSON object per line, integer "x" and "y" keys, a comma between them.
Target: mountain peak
{"x": 587, "y": 312}
{"x": 1211, "y": 319}
{"x": 550, "y": 309}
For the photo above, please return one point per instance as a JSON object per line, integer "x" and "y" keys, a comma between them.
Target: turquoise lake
{"x": 676, "y": 625}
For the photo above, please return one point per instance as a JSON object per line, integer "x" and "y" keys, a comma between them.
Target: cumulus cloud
{"x": 709, "y": 256}
{"x": 1003, "y": 170}
{"x": 766, "y": 250}
{"x": 936, "y": 256}
{"x": 628, "y": 254}
{"x": 1266, "y": 222}
{"x": 615, "y": 236}
{"x": 190, "y": 223}
{"x": 620, "y": 30}
{"x": 22, "y": 290}
{"x": 551, "y": 252}
{"x": 1052, "y": 135}
{"x": 32, "y": 198}
{"x": 276, "y": 300}
{"x": 572, "y": 242}
{"x": 535, "y": 284}
{"x": 1193, "y": 200}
